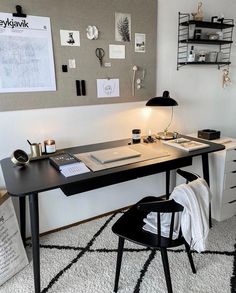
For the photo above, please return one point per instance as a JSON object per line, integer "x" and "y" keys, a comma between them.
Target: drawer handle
{"x": 232, "y": 201}
{"x": 233, "y": 172}
{"x": 232, "y": 187}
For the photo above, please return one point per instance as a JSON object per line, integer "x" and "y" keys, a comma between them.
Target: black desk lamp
{"x": 164, "y": 101}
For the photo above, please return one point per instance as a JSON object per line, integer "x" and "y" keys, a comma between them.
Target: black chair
{"x": 129, "y": 227}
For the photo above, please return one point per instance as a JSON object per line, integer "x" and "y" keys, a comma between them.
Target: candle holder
{"x": 49, "y": 146}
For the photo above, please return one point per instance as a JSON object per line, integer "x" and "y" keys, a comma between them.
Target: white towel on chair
{"x": 194, "y": 197}
{"x": 151, "y": 224}
{"x": 194, "y": 220}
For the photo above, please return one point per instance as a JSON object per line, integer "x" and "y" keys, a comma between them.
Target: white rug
{"x": 82, "y": 260}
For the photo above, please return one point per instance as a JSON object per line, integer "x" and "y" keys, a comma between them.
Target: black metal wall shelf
{"x": 223, "y": 45}
{"x": 204, "y": 63}
{"x": 205, "y": 41}
{"x": 209, "y": 24}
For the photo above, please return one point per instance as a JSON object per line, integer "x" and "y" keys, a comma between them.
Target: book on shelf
{"x": 186, "y": 144}
{"x": 68, "y": 164}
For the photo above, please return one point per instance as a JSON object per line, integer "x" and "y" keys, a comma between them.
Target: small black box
{"x": 208, "y": 134}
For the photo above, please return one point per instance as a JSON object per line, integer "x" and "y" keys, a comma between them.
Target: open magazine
{"x": 186, "y": 144}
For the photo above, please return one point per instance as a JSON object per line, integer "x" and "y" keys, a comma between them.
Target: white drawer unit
{"x": 223, "y": 180}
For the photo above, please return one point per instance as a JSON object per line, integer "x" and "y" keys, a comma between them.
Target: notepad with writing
{"x": 74, "y": 169}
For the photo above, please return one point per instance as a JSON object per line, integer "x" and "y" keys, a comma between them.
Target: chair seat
{"x": 130, "y": 226}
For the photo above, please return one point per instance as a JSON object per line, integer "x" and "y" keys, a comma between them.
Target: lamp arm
{"x": 167, "y": 127}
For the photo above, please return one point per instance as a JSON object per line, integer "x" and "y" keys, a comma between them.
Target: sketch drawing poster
{"x": 108, "y": 88}
{"x": 70, "y": 38}
{"x": 26, "y": 59}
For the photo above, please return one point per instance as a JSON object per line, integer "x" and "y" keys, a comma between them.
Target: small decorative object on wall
{"x": 92, "y": 32}
{"x": 199, "y": 14}
{"x": 226, "y": 78}
{"x": 135, "y": 69}
{"x": 140, "y": 43}
{"x": 108, "y": 88}
{"x": 117, "y": 51}
{"x": 70, "y": 38}
{"x": 122, "y": 27}
{"x": 100, "y": 53}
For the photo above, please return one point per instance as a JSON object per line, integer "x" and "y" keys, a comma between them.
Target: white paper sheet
{"x": 108, "y": 88}
{"x": 26, "y": 59}
{"x": 117, "y": 51}
{"x": 74, "y": 169}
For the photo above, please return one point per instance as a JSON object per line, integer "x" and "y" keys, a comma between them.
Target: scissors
{"x": 100, "y": 54}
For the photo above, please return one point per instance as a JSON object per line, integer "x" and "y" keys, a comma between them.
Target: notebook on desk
{"x": 115, "y": 154}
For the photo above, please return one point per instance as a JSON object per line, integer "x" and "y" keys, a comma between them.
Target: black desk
{"x": 40, "y": 176}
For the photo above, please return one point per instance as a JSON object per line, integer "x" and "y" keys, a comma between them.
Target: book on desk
{"x": 186, "y": 144}
{"x": 68, "y": 164}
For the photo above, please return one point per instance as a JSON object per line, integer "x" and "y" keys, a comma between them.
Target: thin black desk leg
{"x": 205, "y": 166}
{"x": 34, "y": 220}
{"x": 167, "y": 184}
{"x": 22, "y": 217}
{"x": 205, "y": 169}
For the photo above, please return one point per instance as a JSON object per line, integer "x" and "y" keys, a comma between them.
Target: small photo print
{"x": 140, "y": 43}
{"x": 70, "y": 38}
{"x": 122, "y": 27}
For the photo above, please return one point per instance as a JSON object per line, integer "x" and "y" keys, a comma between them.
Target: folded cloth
{"x": 151, "y": 224}
{"x": 195, "y": 198}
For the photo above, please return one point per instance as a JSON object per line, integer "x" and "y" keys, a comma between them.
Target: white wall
{"x": 203, "y": 103}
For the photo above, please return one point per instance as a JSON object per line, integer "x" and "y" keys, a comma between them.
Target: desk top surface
{"x": 40, "y": 175}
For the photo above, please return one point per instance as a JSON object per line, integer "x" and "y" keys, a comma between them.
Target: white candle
{"x": 50, "y": 146}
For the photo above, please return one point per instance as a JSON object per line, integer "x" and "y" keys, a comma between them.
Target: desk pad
{"x": 147, "y": 153}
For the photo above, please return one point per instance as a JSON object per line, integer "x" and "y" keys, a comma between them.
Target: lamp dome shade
{"x": 163, "y": 101}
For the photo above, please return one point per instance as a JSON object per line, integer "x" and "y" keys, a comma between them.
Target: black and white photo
{"x": 140, "y": 43}
{"x": 122, "y": 27}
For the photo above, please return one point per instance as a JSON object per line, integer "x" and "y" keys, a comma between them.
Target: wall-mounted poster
{"x": 122, "y": 27}
{"x": 117, "y": 51}
{"x": 26, "y": 59}
{"x": 70, "y": 38}
{"x": 140, "y": 43}
{"x": 108, "y": 88}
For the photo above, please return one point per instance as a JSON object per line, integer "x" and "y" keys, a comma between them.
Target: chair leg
{"x": 166, "y": 269}
{"x": 118, "y": 262}
{"x": 190, "y": 258}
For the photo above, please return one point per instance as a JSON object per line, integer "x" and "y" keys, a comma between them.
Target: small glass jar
{"x": 202, "y": 57}
{"x": 50, "y": 146}
{"x": 197, "y": 34}
{"x": 136, "y": 136}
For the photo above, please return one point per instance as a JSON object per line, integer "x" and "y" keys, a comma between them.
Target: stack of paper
{"x": 74, "y": 169}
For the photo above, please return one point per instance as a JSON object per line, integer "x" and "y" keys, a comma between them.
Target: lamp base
{"x": 165, "y": 135}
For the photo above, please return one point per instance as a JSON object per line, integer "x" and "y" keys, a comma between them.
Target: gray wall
{"x": 77, "y": 15}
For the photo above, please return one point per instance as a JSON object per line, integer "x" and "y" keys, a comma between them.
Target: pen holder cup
{"x": 36, "y": 150}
